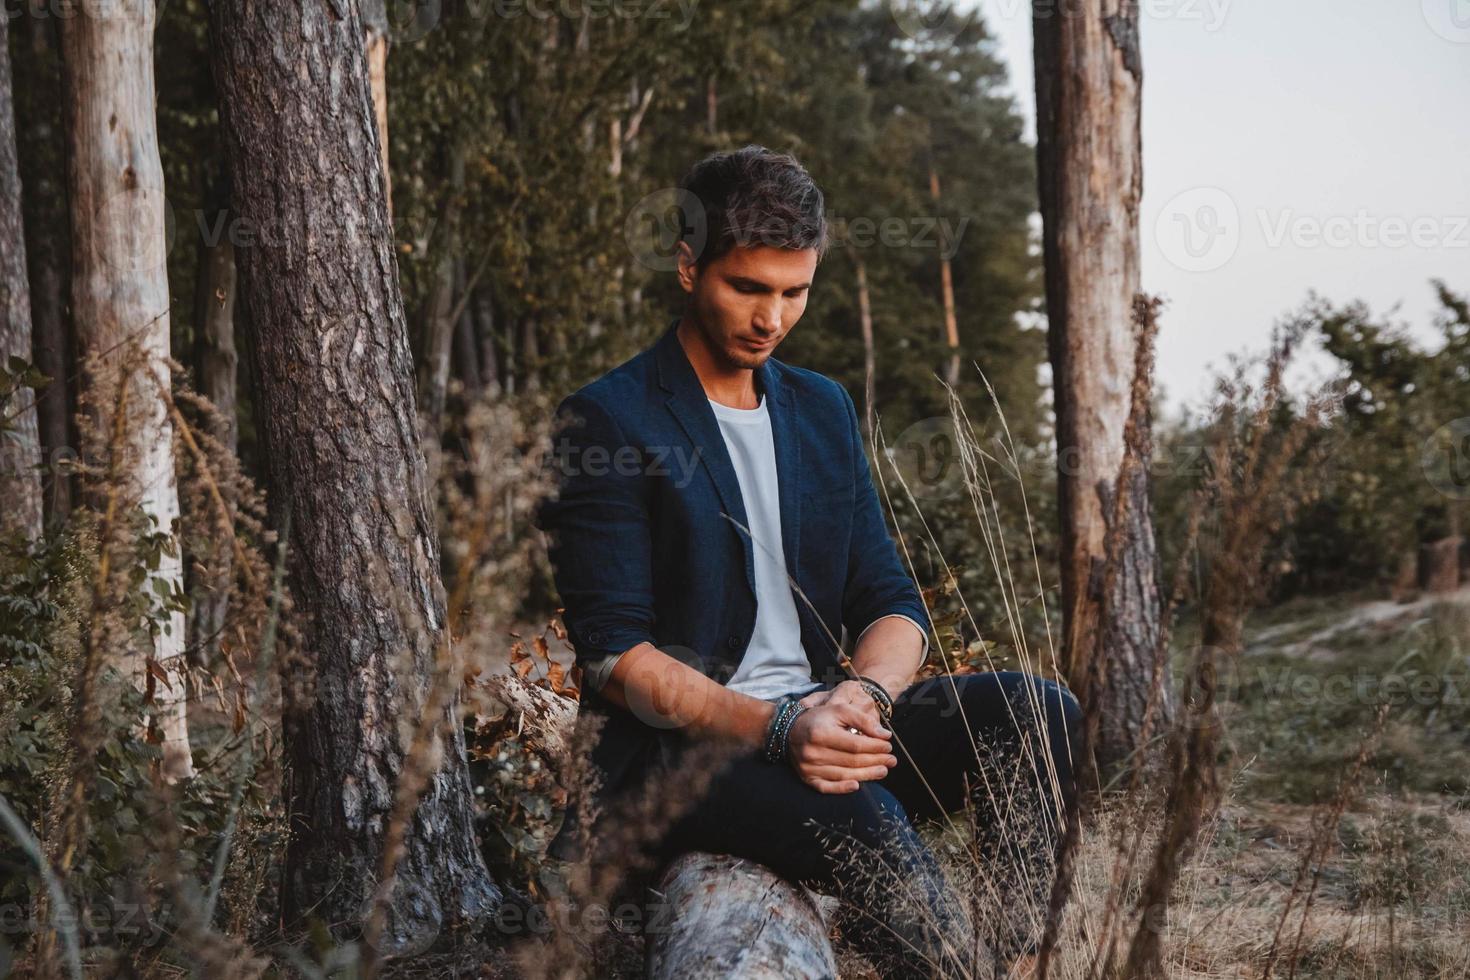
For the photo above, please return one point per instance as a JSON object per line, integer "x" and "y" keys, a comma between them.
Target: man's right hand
{"x": 830, "y": 757}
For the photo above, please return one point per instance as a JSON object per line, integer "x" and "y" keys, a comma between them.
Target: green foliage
{"x": 138, "y": 836}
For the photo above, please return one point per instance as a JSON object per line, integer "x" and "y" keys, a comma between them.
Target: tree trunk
{"x": 1088, "y": 84}
{"x": 375, "y": 49}
{"x": 946, "y": 289}
{"x": 337, "y": 406}
{"x": 216, "y": 361}
{"x": 20, "y": 456}
{"x": 466, "y": 352}
{"x": 732, "y": 917}
{"x": 865, "y": 321}
{"x": 120, "y": 301}
{"x": 438, "y": 333}
{"x": 727, "y": 916}
{"x": 42, "y": 168}
{"x": 484, "y": 310}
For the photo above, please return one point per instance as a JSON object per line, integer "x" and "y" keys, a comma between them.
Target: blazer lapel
{"x": 687, "y": 401}
{"x": 781, "y": 406}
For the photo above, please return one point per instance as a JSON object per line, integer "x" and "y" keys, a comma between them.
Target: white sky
{"x": 1338, "y": 133}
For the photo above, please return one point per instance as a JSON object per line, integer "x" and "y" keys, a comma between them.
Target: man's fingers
{"x": 828, "y": 786}
{"x": 826, "y": 756}
{"x": 865, "y": 718}
{"x": 839, "y": 774}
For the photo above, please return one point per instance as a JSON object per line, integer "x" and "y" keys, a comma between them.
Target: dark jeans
{"x": 863, "y": 847}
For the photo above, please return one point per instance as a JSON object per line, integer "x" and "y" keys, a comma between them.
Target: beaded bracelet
{"x": 788, "y": 709}
{"x": 878, "y": 693}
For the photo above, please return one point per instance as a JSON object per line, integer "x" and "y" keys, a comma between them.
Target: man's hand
{"x": 828, "y": 755}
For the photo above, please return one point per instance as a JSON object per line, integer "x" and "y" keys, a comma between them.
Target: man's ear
{"x": 688, "y": 267}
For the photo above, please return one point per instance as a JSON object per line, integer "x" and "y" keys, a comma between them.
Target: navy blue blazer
{"x": 641, "y": 552}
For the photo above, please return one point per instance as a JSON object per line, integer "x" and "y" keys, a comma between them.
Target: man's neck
{"x": 723, "y": 383}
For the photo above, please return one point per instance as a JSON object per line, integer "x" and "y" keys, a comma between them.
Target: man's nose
{"x": 768, "y": 316}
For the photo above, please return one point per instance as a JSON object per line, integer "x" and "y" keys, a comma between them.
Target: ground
{"x": 1390, "y": 896}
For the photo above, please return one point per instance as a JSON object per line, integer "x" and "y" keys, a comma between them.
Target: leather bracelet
{"x": 787, "y": 711}
{"x": 878, "y": 693}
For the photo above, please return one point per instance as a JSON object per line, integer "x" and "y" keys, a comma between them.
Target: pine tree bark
{"x": 341, "y": 429}
{"x": 120, "y": 301}
{"x": 1089, "y": 156}
{"x": 20, "y": 455}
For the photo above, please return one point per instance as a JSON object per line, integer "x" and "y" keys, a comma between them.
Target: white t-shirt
{"x": 774, "y": 663}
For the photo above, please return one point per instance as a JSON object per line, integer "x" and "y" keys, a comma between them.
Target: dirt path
{"x": 1356, "y": 617}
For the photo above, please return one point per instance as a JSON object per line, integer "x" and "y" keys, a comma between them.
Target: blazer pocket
{"x": 825, "y": 512}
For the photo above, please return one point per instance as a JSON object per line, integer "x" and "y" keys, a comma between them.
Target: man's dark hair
{"x": 748, "y": 197}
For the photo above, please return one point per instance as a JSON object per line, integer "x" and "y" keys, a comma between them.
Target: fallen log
{"x": 725, "y": 916}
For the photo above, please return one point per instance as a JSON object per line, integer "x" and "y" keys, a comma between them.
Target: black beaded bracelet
{"x": 878, "y": 693}
{"x": 787, "y": 710}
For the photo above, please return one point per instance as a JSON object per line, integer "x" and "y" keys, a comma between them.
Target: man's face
{"x": 748, "y": 299}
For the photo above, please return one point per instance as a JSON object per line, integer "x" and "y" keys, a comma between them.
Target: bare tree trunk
{"x": 375, "y": 47}
{"x": 711, "y": 106}
{"x": 217, "y": 363}
{"x": 337, "y": 406}
{"x": 530, "y": 353}
{"x": 20, "y": 455}
{"x": 484, "y": 310}
{"x": 120, "y": 301}
{"x": 865, "y": 321}
{"x": 946, "y": 286}
{"x": 439, "y": 327}
{"x": 466, "y": 350}
{"x": 42, "y": 169}
{"x": 1088, "y": 85}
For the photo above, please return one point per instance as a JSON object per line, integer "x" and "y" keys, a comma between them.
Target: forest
{"x": 289, "y": 295}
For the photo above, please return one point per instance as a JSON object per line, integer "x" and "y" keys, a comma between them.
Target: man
{"x": 716, "y": 526}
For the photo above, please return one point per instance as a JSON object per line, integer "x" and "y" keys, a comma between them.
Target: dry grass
{"x": 1287, "y": 834}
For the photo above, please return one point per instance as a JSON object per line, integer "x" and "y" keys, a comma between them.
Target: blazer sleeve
{"x": 877, "y": 583}
{"x": 598, "y": 536}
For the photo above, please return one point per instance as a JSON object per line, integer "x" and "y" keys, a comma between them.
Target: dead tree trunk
{"x": 339, "y": 415}
{"x": 216, "y": 361}
{"x": 42, "y": 169}
{"x": 439, "y": 324}
{"x": 1088, "y": 84}
{"x": 865, "y": 323}
{"x": 120, "y": 301}
{"x": 727, "y": 917}
{"x": 730, "y": 917}
{"x": 946, "y": 290}
{"x": 375, "y": 49}
{"x": 20, "y": 458}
